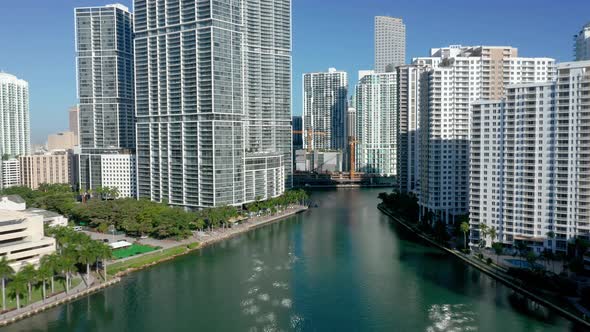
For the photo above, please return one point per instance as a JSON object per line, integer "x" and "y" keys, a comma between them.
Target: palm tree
{"x": 105, "y": 253}
{"x": 464, "y": 228}
{"x": 493, "y": 233}
{"x": 87, "y": 256}
{"x": 18, "y": 285}
{"x": 483, "y": 233}
{"x": 29, "y": 274}
{"x": 45, "y": 272}
{"x": 551, "y": 235}
{"x": 6, "y": 272}
{"x": 66, "y": 265}
{"x": 53, "y": 262}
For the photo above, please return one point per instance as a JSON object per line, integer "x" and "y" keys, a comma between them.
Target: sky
{"x": 37, "y": 40}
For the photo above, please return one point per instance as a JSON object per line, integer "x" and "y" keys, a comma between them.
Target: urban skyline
{"x": 50, "y": 100}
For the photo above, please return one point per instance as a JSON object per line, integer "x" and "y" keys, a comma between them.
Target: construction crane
{"x": 352, "y": 148}
{"x": 309, "y": 133}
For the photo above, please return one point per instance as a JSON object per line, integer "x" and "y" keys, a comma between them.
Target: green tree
{"x": 18, "y": 285}
{"x": 105, "y": 253}
{"x": 87, "y": 256}
{"x": 498, "y": 249}
{"x": 465, "y": 229}
{"x": 483, "y": 233}
{"x": 6, "y": 272}
{"x": 551, "y": 235}
{"x": 29, "y": 274}
{"x": 45, "y": 272}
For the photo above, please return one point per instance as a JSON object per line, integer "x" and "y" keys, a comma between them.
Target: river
{"x": 340, "y": 267}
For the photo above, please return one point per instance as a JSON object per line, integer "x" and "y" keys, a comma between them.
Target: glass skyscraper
{"x": 213, "y": 98}
{"x": 104, "y": 55}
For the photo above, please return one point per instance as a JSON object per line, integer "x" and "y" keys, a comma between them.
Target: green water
{"x": 340, "y": 267}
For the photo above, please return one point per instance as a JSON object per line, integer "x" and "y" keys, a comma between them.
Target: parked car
{"x": 78, "y": 228}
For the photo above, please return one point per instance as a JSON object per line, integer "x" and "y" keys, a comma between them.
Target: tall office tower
{"x": 73, "y": 114}
{"x": 459, "y": 76}
{"x": 297, "y": 132}
{"x": 376, "y": 124}
{"x": 412, "y": 97}
{"x": 530, "y": 162}
{"x": 324, "y": 109}
{"x": 582, "y": 44}
{"x": 390, "y": 43}
{"x": 104, "y": 55}
{"x": 14, "y": 116}
{"x": 213, "y": 100}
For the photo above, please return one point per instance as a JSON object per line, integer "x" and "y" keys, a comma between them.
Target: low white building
{"x": 12, "y": 203}
{"x": 22, "y": 239}
{"x": 118, "y": 171}
{"x": 10, "y": 173}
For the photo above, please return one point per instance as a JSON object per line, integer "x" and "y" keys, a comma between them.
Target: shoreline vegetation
{"x": 436, "y": 238}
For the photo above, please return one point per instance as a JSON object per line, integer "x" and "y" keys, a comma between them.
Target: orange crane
{"x": 309, "y": 133}
{"x": 352, "y": 147}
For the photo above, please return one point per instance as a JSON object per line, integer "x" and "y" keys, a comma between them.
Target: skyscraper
{"x": 14, "y": 116}
{"x": 582, "y": 44}
{"x": 376, "y": 124}
{"x": 104, "y": 55}
{"x": 390, "y": 43}
{"x": 297, "y": 132}
{"x": 324, "y": 109}
{"x": 73, "y": 115}
{"x": 530, "y": 163}
{"x": 458, "y": 76}
{"x": 213, "y": 100}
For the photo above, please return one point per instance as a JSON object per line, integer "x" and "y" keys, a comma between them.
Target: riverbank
{"x": 135, "y": 263}
{"x": 494, "y": 273}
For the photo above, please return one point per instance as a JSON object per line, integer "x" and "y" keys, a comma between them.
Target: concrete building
{"x": 319, "y": 161}
{"x": 51, "y": 168}
{"x": 118, "y": 171}
{"x": 23, "y": 238}
{"x": 458, "y": 76}
{"x": 62, "y": 141}
{"x": 14, "y": 116}
{"x": 10, "y": 173}
{"x": 530, "y": 161}
{"x": 218, "y": 106}
{"x": 105, "y": 73}
{"x": 582, "y": 44}
{"x": 390, "y": 43}
{"x": 324, "y": 109}
{"x": 297, "y": 132}
{"x": 73, "y": 116}
{"x": 376, "y": 124}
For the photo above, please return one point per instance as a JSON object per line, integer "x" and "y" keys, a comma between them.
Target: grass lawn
{"x": 144, "y": 260}
{"x": 37, "y": 293}
{"x": 134, "y": 249}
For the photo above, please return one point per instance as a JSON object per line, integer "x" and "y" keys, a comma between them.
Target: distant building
{"x": 530, "y": 164}
{"x": 50, "y": 168}
{"x": 14, "y": 116}
{"x": 62, "y": 141}
{"x": 324, "y": 109}
{"x": 10, "y": 173}
{"x": 318, "y": 161}
{"x": 74, "y": 114}
{"x": 582, "y": 44}
{"x": 23, "y": 238}
{"x": 390, "y": 43}
{"x": 376, "y": 123}
{"x": 118, "y": 171}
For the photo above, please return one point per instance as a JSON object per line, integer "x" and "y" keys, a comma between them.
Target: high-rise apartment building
{"x": 14, "y": 116}
{"x": 213, "y": 98}
{"x": 530, "y": 161}
{"x": 412, "y": 98}
{"x": 390, "y": 43}
{"x": 376, "y": 124}
{"x": 324, "y": 109}
{"x": 582, "y": 44}
{"x": 56, "y": 167}
{"x": 104, "y": 55}
{"x": 458, "y": 76}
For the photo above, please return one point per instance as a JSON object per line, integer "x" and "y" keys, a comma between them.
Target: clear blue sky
{"x": 38, "y": 39}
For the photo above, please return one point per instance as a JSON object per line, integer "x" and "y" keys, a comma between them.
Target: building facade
{"x": 376, "y": 124}
{"x": 14, "y": 116}
{"x": 530, "y": 173}
{"x": 297, "y": 133}
{"x": 458, "y": 76}
{"x": 118, "y": 171}
{"x": 582, "y": 44}
{"x": 324, "y": 109}
{"x": 105, "y": 73}
{"x": 66, "y": 140}
{"x": 213, "y": 92}
{"x": 73, "y": 117}
{"x": 10, "y": 173}
{"x": 56, "y": 167}
{"x": 390, "y": 43}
